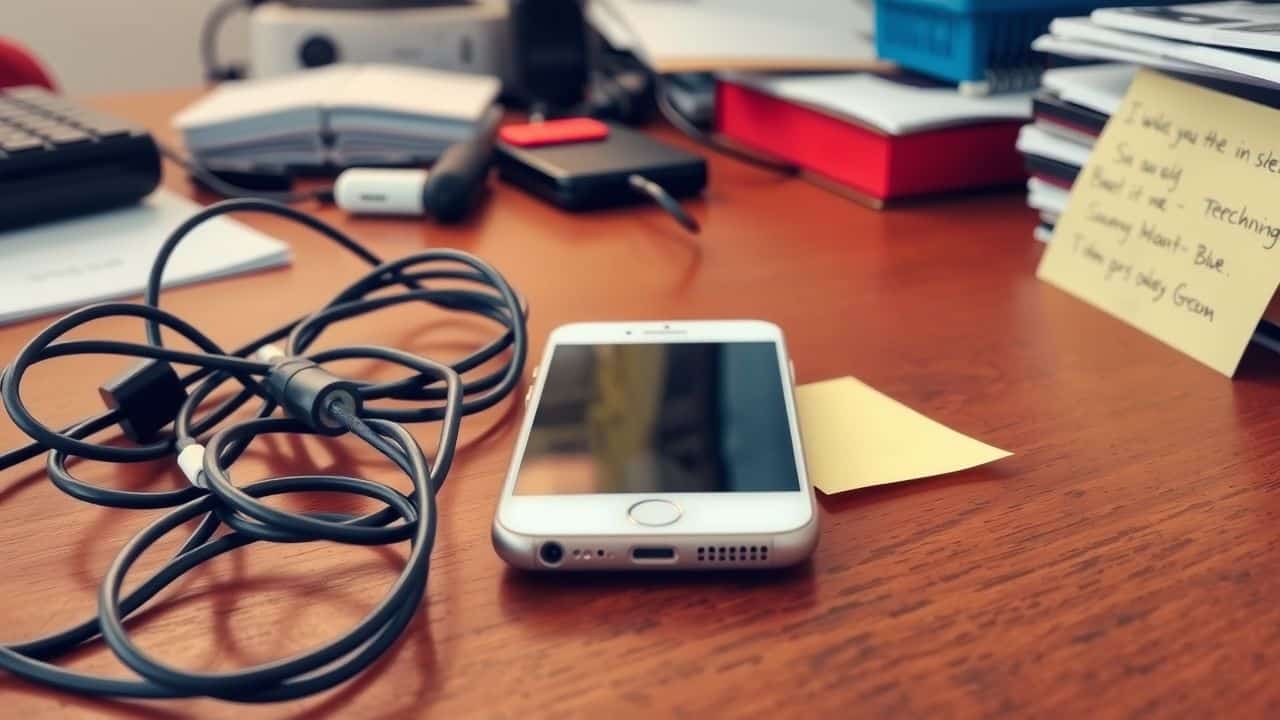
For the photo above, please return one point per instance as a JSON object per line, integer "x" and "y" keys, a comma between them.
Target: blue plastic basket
{"x": 975, "y": 42}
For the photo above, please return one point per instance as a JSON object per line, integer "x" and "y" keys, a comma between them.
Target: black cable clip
{"x": 147, "y": 396}
{"x": 310, "y": 394}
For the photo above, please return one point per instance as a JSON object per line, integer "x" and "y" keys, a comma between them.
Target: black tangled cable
{"x": 160, "y": 412}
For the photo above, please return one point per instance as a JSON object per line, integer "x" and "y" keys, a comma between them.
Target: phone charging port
{"x": 653, "y": 554}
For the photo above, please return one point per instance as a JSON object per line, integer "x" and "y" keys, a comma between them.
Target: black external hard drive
{"x": 593, "y": 174}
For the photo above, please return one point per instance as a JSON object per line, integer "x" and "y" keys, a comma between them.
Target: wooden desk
{"x": 1123, "y": 563}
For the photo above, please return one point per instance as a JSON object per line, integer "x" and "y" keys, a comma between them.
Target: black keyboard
{"x": 58, "y": 159}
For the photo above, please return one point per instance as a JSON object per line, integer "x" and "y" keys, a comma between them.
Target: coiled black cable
{"x": 441, "y": 393}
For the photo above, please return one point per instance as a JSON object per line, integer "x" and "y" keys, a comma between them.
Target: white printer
{"x": 468, "y": 37}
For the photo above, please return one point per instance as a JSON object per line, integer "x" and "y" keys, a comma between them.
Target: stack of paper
{"x": 707, "y": 35}
{"x": 340, "y": 116}
{"x": 1229, "y": 43}
{"x": 1227, "y": 46}
{"x": 1236, "y": 24}
{"x": 1231, "y": 47}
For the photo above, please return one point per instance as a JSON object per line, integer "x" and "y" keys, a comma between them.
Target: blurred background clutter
{"x": 99, "y": 47}
{"x": 880, "y": 101}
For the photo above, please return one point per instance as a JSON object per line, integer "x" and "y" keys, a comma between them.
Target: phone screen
{"x": 660, "y": 418}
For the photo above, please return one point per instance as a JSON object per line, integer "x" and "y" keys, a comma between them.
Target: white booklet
{"x": 1035, "y": 140}
{"x": 1100, "y": 88}
{"x": 1245, "y": 25}
{"x": 70, "y": 263}
{"x": 1047, "y": 198}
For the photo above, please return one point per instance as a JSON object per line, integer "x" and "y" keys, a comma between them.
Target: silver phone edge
{"x": 615, "y": 552}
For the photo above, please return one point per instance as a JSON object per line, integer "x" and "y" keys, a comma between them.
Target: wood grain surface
{"x": 1121, "y": 564}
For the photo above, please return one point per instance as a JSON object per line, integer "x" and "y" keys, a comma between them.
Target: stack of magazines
{"x": 1232, "y": 47}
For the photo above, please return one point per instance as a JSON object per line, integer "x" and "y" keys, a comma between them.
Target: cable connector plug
{"x": 148, "y": 397}
{"x": 308, "y": 392}
{"x": 191, "y": 462}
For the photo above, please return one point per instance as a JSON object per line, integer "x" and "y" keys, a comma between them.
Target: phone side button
{"x": 528, "y": 395}
{"x": 654, "y": 513}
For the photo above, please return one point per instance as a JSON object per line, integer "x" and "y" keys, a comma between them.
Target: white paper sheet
{"x": 70, "y": 263}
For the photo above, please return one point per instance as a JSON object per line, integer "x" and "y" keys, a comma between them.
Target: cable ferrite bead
{"x": 148, "y": 397}
{"x": 308, "y": 393}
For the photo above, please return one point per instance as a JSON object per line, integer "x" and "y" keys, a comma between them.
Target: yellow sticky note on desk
{"x": 1173, "y": 224}
{"x": 855, "y": 437}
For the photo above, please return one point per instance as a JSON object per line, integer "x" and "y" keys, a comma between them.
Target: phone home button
{"x": 654, "y": 513}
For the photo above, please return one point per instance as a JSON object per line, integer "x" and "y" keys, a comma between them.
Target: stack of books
{"x": 1232, "y": 47}
{"x": 876, "y": 137}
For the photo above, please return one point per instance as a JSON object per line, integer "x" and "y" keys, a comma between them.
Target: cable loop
{"x": 443, "y": 393}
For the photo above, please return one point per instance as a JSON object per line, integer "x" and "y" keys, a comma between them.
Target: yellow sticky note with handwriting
{"x": 856, "y": 437}
{"x": 1173, "y": 224}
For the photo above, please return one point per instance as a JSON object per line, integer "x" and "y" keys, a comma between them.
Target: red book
{"x": 866, "y": 160}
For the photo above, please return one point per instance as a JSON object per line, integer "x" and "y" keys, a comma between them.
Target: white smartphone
{"x": 666, "y": 445}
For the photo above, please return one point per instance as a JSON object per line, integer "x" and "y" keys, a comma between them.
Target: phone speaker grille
{"x": 733, "y": 554}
